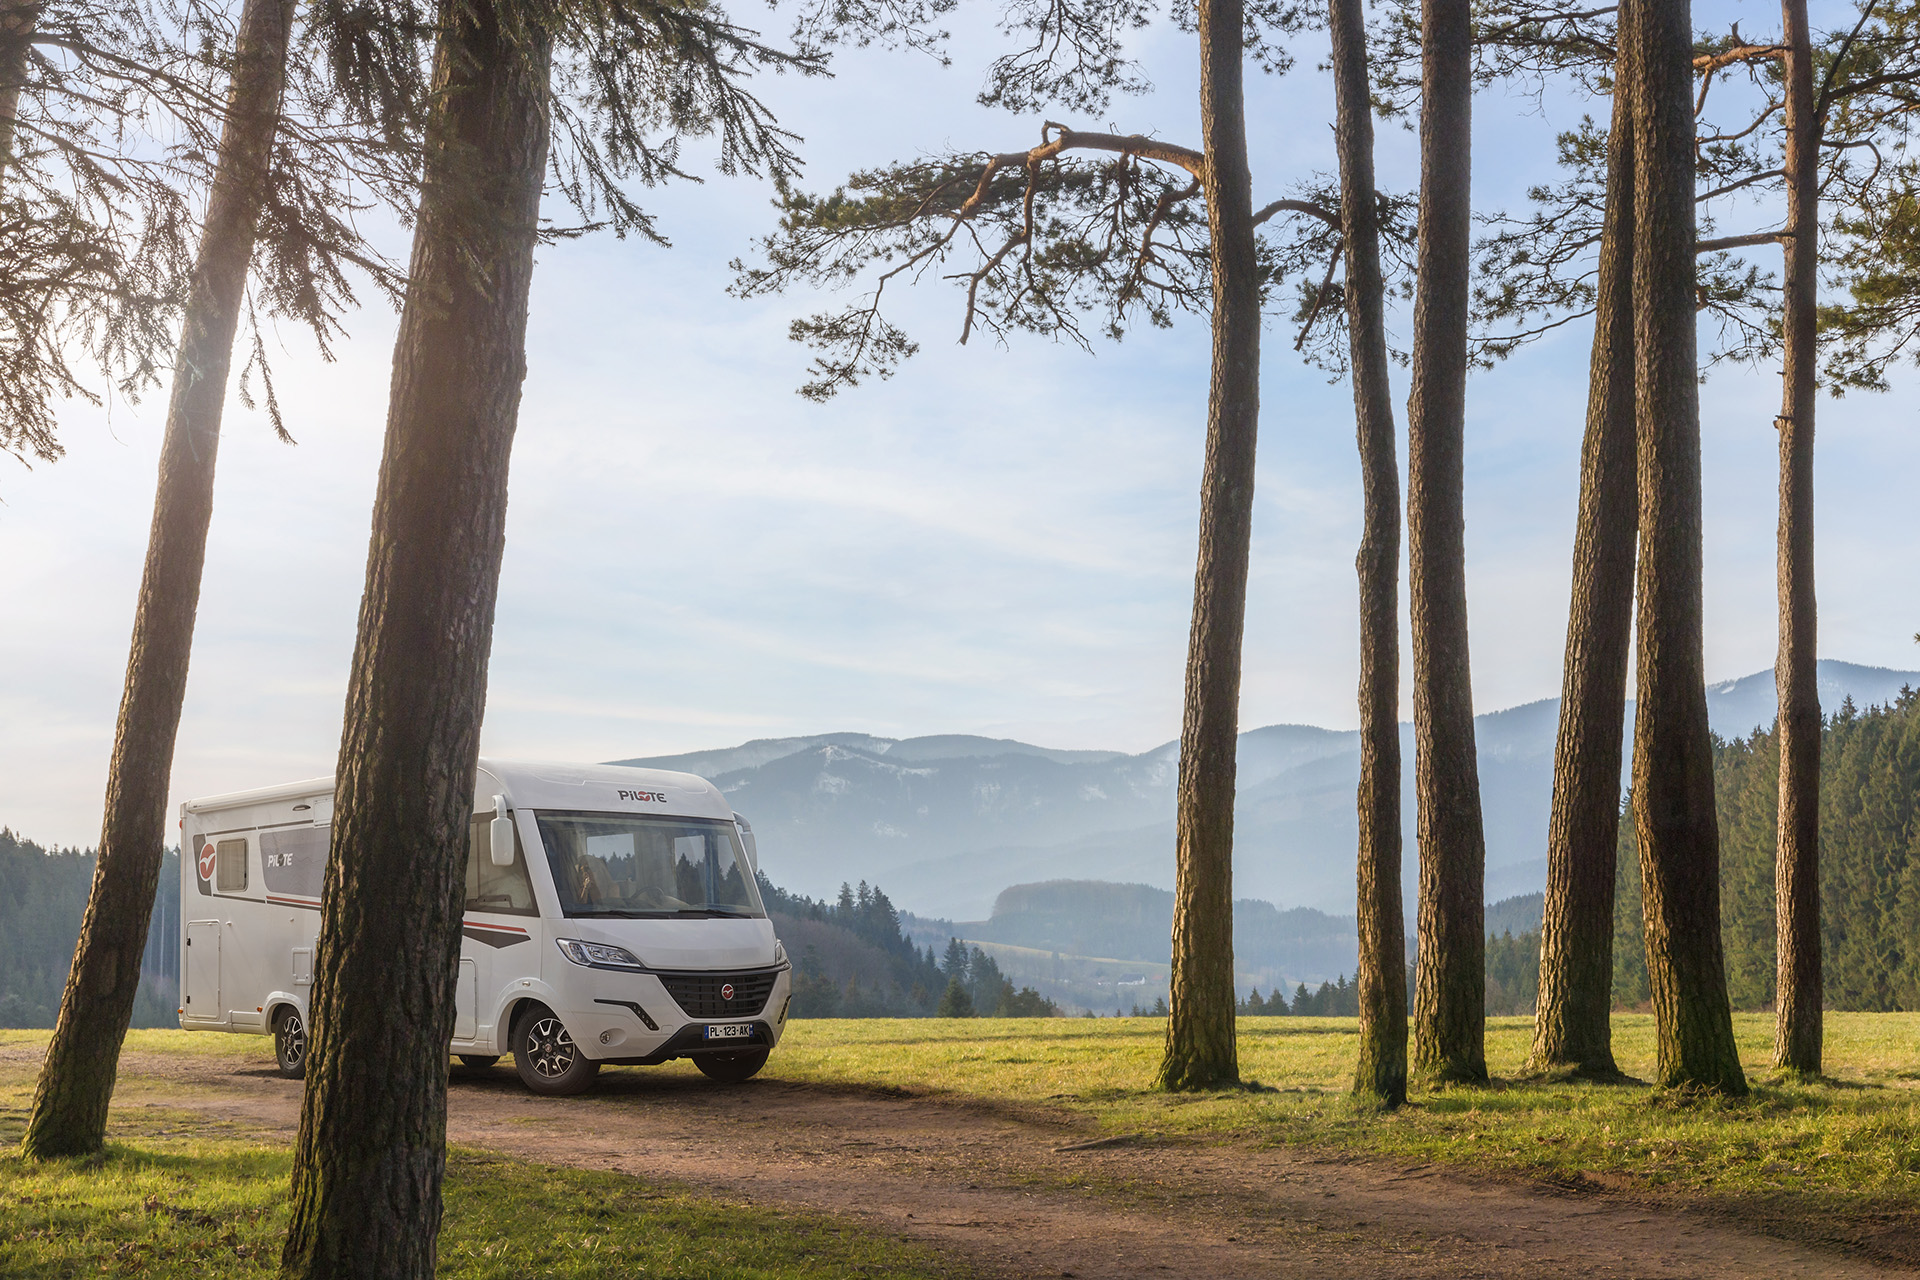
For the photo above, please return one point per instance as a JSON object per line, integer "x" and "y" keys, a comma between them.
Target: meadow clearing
{"x": 194, "y": 1182}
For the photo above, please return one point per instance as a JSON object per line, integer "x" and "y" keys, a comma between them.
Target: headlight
{"x": 779, "y": 951}
{"x": 592, "y": 954}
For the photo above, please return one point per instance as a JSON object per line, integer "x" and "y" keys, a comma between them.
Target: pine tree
{"x": 956, "y": 1001}
{"x": 1449, "y": 1020}
{"x": 257, "y": 172}
{"x": 1673, "y": 751}
{"x": 1573, "y": 1029}
{"x": 1380, "y": 1071}
{"x": 370, "y": 1156}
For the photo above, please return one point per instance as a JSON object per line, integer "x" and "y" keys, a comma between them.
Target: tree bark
{"x": 1449, "y": 1018}
{"x": 1572, "y": 1029}
{"x": 371, "y": 1152}
{"x": 1798, "y": 1030}
{"x": 1381, "y": 1072}
{"x": 18, "y": 20}
{"x": 1673, "y": 799}
{"x": 1200, "y": 1050}
{"x": 69, "y": 1113}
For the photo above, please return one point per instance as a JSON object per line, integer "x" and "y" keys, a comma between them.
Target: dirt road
{"x": 1037, "y": 1195}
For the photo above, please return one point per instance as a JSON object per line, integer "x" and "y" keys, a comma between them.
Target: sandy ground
{"x": 1038, "y": 1195}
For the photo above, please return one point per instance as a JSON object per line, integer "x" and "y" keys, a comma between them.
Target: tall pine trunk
{"x": 18, "y": 21}
{"x": 1673, "y": 801}
{"x": 1449, "y": 1017}
{"x": 69, "y": 1115}
{"x": 1200, "y": 1050}
{"x": 1381, "y": 1072}
{"x": 1797, "y": 1032}
{"x": 1572, "y": 1029}
{"x": 372, "y": 1148}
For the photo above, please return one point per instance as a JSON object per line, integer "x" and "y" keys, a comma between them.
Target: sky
{"x": 999, "y": 541}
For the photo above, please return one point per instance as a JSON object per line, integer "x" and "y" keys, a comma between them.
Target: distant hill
{"x": 1098, "y": 945}
{"x": 949, "y": 821}
{"x": 1516, "y": 915}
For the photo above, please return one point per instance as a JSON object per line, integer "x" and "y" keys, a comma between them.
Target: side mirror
{"x": 500, "y": 834}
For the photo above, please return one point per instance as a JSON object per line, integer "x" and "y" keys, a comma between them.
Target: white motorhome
{"x": 611, "y": 918}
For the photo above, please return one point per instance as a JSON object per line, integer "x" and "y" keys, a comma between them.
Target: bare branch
{"x": 1320, "y": 294}
{"x": 1747, "y": 181}
{"x": 1307, "y": 207}
{"x": 1742, "y": 242}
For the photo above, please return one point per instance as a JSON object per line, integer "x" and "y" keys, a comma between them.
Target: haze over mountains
{"x": 945, "y": 823}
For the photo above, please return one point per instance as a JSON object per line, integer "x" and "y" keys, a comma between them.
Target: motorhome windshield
{"x": 619, "y": 865}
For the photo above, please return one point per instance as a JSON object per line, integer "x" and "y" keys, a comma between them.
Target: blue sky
{"x": 999, "y": 541}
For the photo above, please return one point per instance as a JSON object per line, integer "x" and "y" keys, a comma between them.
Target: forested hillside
{"x": 1869, "y": 864}
{"x": 43, "y": 894}
{"x": 851, "y": 960}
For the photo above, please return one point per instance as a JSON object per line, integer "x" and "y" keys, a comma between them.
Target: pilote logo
{"x": 654, "y": 796}
{"x": 206, "y": 861}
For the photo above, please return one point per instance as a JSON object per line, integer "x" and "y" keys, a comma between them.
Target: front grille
{"x": 698, "y": 994}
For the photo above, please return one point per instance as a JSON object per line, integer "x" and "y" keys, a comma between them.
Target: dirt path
{"x": 1035, "y": 1196}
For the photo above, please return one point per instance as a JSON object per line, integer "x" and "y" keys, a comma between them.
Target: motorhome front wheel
{"x": 290, "y": 1043}
{"x": 547, "y": 1058}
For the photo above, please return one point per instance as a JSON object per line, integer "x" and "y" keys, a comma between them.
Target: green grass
{"x": 1827, "y": 1155}
{"x": 182, "y": 1197}
{"x": 206, "y": 1209}
{"x": 1854, "y": 1138}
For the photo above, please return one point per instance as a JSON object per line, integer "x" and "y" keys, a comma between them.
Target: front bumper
{"x": 609, "y": 1016}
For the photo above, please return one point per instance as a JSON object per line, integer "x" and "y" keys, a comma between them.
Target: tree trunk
{"x": 18, "y": 20}
{"x": 1200, "y": 1050}
{"x": 1572, "y": 1029}
{"x": 1673, "y": 803}
{"x": 372, "y": 1145}
{"x": 1797, "y": 1032}
{"x": 69, "y": 1114}
{"x": 1449, "y": 1018}
{"x": 1381, "y": 1072}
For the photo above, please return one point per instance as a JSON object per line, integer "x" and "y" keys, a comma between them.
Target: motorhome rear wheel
{"x": 290, "y": 1043}
{"x": 547, "y": 1058}
{"x": 731, "y": 1068}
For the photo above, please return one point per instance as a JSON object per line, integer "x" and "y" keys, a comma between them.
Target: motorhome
{"x": 612, "y": 917}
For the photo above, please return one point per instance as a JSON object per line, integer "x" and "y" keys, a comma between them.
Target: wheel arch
{"x": 280, "y": 1002}
{"x": 509, "y": 1025}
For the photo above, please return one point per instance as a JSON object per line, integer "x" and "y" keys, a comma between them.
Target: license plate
{"x": 730, "y": 1031}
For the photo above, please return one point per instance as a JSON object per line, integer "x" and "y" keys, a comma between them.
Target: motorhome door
{"x": 203, "y": 969}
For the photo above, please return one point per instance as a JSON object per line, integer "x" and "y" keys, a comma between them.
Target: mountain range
{"x": 946, "y": 822}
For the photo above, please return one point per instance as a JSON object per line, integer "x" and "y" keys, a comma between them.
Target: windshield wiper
{"x": 728, "y": 912}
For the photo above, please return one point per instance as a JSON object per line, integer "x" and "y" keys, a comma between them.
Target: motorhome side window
{"x": 230, "y": 866}
{"x": 491, "y": 888}
{"x": 607, "y": 864}
{"x": 293, "y": 863}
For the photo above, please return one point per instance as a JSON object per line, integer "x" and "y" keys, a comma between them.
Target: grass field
{"x": 174, "y": 1199}
{"x": 1854, "y": 1138}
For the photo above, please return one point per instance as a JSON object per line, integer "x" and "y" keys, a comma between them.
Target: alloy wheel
{"x": 550, "y": 1047}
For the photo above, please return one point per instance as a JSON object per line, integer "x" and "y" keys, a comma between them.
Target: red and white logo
{"x": 726, "y": 991}
{"x": 206, "y": 861}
